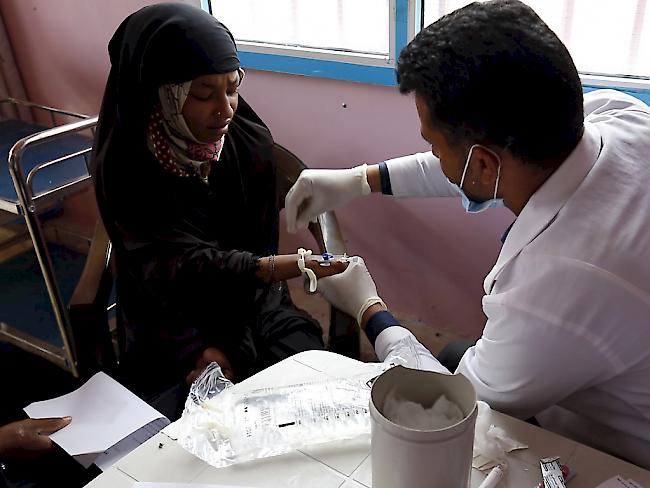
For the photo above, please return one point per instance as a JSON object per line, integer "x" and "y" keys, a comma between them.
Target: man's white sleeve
{"x": 419, "y": 175}
{"x": 541, "y": 343}
{"x": 398, "y": 345}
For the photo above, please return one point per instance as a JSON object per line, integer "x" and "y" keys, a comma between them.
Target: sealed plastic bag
{"x": 223, "y": 426}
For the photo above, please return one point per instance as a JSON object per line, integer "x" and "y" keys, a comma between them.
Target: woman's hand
{"x": 211, "y": 355}
{"x": 285, "y": 266}
{"x": 29, "y": 438}
{"x": 334, "y": 267}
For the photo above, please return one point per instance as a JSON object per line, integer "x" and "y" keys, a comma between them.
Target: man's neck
{"x": 528, "y": 179}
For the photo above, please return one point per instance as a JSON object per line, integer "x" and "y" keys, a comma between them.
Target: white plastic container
{"x": 410, "y": 458}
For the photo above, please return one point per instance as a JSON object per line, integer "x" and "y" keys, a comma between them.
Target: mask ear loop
{"x": 469, "y": 156}
{"x": 496, "y": 185}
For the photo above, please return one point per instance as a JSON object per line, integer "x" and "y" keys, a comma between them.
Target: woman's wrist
{"x": 278, "y": 267}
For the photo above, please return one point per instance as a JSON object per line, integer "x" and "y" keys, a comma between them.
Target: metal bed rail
{"x": 65, "y": 356}
{"x": 30, "y": 110}
{"x": 51, "y": 111}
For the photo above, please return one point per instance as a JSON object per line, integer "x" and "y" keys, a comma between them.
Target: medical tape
{"x": 313, "y": 281}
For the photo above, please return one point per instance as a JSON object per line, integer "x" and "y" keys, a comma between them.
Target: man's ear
{"x": 489, "y": 165}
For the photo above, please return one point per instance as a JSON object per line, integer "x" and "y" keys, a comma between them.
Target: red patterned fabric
{"x": 195, "y": 151}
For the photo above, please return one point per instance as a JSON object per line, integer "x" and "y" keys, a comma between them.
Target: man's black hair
{"x": 494, "y": 72}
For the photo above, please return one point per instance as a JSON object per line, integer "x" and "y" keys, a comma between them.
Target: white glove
{"x": 352, "y": 291}
{"x": 318, "y": 190}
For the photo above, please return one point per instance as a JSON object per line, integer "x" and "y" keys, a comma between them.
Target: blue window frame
{"x": 405, "y": 18}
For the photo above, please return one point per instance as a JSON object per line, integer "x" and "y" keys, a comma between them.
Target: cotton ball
{"x": 448, "y": 409}
{"x": 412, "y": 415}
{"x": 402, "y": 412}
{"x": 409, "y": 414}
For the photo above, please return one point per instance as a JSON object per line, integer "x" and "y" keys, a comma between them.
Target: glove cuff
{"x": 362, "y": 173}
{"x": 366, "y": 305}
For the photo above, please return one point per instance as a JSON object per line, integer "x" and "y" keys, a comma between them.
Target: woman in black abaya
{"x": 185, "y": 182}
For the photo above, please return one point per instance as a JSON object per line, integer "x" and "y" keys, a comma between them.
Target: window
{"x": 607, "y": 39}
{"x": 359, "y": 40}
{"x": 342, "y": 26}
{"x": 344, "y": 39}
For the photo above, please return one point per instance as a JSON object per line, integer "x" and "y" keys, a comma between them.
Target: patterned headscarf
{"x": 172, "y": 141}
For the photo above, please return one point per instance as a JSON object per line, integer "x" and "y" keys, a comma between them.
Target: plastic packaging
{"x": 225, "y": 426}
{"x": 567, "y": 473}
{"x": 552, "y": 472}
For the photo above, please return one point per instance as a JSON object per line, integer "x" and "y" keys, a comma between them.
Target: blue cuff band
{"x": 377, "y": 323}
{"x": 386, "y": 189}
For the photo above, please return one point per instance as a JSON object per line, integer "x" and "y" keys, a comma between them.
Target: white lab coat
{"x": 568, "y": 301}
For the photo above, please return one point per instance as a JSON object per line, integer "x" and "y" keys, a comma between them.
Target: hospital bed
{"x": 40, "y": 164}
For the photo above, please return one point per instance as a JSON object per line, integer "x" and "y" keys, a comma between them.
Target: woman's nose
{"x": 225, "y": 110}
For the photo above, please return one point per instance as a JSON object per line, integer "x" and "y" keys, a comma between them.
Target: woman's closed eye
{"x": 202, "y": 96}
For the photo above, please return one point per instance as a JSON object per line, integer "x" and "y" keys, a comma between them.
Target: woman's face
{"x": 211, "y": 105}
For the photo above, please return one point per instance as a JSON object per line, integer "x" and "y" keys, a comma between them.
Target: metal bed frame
{"x": 29, "y": 204}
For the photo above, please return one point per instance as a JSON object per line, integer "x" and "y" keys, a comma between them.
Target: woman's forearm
{"x": 285, "y": 266}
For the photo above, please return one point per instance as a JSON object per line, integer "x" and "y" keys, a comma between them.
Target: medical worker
{"x": 567, "y": 337}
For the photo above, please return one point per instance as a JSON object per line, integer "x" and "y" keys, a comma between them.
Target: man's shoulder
{"x": 614, "y": 103}
{"x": 614, "y": 95}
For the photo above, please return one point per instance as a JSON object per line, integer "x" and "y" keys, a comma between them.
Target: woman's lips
{"x": 219, "y": 129}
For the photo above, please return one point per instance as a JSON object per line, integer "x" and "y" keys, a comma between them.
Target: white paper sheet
{"x": 619, "y": 482}
{"x": 103, "y": 413}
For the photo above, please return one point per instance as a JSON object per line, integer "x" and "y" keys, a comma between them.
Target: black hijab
{"x": 157, "y": 45}
{"x": 175, "y": 43}
{"x": 185, "y": 251}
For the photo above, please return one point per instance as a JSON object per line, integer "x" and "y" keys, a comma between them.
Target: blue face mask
{"x": 473, "y": 206}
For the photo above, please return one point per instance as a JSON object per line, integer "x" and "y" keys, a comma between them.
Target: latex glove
{"x": 319, "y": 190}
{"x": 29, "y": 438}
{"x": 352, "y": 291}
